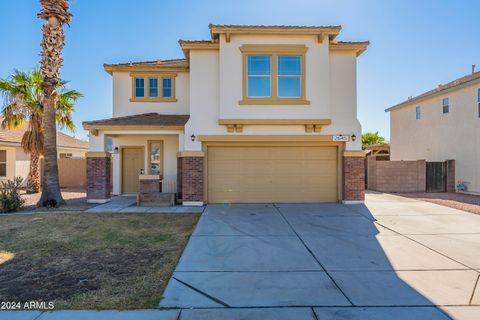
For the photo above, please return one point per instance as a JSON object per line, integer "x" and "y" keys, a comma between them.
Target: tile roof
{"x": 166, "y": 63}
{"x": 63, "y": 140}
{"x": 145, "y": 119}
{"x": 443, "y": 88}
{"x": 261, "y": 26}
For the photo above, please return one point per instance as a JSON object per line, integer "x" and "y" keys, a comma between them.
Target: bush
{"x": 10, "y": 199}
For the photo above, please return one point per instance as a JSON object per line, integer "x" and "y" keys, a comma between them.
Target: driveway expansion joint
{"x": 314, "y": 257}
{"x": 214, "y": 299}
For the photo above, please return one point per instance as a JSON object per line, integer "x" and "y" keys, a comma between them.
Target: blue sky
{"x": 415, "y": 45}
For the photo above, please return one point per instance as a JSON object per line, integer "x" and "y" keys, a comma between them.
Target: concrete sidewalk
{"x": 127, "y": 204}
{"x": 301, "y": 313}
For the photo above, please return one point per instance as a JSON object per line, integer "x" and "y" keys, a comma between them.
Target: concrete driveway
{"x": 392, "y": 257}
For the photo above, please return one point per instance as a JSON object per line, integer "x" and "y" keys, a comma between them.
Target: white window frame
{"x": 445, "y": 107}
{"x": 300, "y": 76}
{"x": 418, "y": 112}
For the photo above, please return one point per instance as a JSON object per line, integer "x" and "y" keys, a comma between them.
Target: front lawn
{"x": 90, "y": 261}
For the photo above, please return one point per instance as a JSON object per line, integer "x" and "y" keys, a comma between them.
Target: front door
{"x": 132, "y": 164}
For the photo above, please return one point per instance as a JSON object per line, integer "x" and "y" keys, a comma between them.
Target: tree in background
{"x": 22, "y": 92}
{"x": 370, "y": 138}
{"x": 57, "y": 14}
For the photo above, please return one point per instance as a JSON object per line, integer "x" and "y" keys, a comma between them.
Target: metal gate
{"x": 436, "y": 177}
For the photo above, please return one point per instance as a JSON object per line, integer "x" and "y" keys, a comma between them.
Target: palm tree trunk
{"x": 57, "y": 14}
{"x": 33, "y": 184}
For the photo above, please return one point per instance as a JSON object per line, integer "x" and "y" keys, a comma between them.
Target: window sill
{"x": 273, "y": 102}
{"x": 153, "y": 100}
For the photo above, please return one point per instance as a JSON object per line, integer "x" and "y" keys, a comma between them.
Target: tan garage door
{"x": 271, "y": 174}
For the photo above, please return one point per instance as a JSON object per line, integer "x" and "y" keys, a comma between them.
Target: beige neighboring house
{"x": 439, "y": 125}
{"x": 14, "y": 162}
{"x": 254, "y": 114}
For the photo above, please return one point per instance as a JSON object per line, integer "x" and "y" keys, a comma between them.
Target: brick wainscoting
{"x": 149, "y": 185}
{"x": 190, "y": 180}
{"x": 98, "y": 177}
{"x": 353, "y": 179}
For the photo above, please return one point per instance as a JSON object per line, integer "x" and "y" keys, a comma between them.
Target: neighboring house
{"x": 439, "y": 125}
{"x": 14, "y": 162}
{"x": 256, "y": 114}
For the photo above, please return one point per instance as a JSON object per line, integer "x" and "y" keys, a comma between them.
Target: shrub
{"x": 10, "y": 199}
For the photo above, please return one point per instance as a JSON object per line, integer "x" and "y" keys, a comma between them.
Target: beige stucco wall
{"x": 216, "y": 89}
{"x": 170, "y": 149}
{"x": 76, "y": 153}
{"x": 438, "y": 137}
{"x": 122, "y": 92}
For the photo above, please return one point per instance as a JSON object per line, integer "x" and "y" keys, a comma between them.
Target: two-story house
{"x": 442, "y": 124}
{"x": 255, "y": 114}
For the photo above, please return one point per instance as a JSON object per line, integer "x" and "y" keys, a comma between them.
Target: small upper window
{"x": 139, "y": 87}
{"x": 445, "y": 105}
{"x": 3, "y": 163}
{"x": 418, "y": 113}
{"x": 153, "y": 87}
{"x": 167, "y": 87}
{"x": 259, "y": 76}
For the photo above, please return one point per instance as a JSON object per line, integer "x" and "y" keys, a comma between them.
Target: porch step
{"x": 155, "y": 199}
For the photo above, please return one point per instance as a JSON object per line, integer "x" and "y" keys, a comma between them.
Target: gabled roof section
{"x": 187, "y": 45}
{"x": 358, "y": 46}
{"x": 217, "y": 29}
{"x": 155, "y": 65}
{"x": 456, "y": 84}
{"x": 139, "y": 121}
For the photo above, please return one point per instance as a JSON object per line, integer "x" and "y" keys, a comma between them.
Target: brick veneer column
{"x": 190, "y": 178}
{"x": 98, "y": 177}
{"x": 353, "y": 177}
{"x": 450, "y": 175}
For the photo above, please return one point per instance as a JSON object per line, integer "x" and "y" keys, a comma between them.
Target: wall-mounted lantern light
{"x": 193, "y": 137}
{"x": 354, "y": 137}
{"x": 115, "y": 150}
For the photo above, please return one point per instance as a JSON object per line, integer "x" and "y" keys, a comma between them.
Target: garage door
{"x": 271, "y": 174}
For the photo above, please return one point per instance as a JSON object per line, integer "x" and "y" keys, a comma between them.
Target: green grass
{"x": 91, "y": 261}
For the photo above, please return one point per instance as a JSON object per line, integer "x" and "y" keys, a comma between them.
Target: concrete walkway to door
{"x": 392, "y": 258}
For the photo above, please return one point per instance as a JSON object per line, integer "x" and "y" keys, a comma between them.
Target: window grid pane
{"x": 445, "y": 105}
{"x": 139, "y": 87}
{"x": 167, "y": 87}
{"x": 418, "y": 113}
{"x": 289, "y": 76}
{"x": 153, "y": 87}
{"x": 259, "y": 76}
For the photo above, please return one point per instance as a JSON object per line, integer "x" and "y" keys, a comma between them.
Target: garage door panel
{"x": 272, "y": 174}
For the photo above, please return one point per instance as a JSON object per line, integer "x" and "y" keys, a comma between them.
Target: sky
{"x": 414, "y": 45}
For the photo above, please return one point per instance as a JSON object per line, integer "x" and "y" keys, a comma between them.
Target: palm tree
{"x": 371, "y": 138}
{"x": 53, "y": 40}
{"x": 23, "y": 106}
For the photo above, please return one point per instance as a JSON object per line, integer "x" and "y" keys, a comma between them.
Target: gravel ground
{"x": 465, "y": 202}
{"x": 76, "y": 201}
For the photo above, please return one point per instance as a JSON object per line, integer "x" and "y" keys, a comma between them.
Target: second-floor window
{"x": 289, "y": 76}
{"x": 273, "y": 75}
{"x": 445, "y": 105}
{"x": 139, "y": 87}
{"x": 259, "y": 76}
{"x": 153, "y": 88}
{"x": 418, "y": 113}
